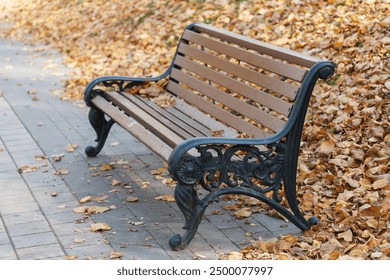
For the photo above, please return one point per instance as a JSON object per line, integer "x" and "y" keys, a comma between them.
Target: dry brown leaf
{"x": 130, "y": 198}
{"x": 116, "y": 255}
{"x": 234, "y": 256}
{"x": 347, "y": 235}
{"x": 27, "y": 168}
{"x": 380, "y": 184}
{"x": 165, "y": 197}
{"x": 106, "y": 167}
{"x": 327, "y": 147}
{"x": 90, "y": 209}
{"x": 116, "y": 182}
{"x": 86, "y": 199}
{"x": 62, "y": 171}
{"x": 100, "y": 227}
{"x": 243, "y": 213}
{"x": 71, "y": 148}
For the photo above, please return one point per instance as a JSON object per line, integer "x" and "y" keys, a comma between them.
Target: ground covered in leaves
{"x": 344, "y": 166}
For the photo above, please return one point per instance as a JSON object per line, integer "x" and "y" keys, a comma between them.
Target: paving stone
{"x": 40, "y": 252}
{"x": 7, "y": 252}
{"x": 32, "y": 240}
{"x": 95, "y": 252}
{"x": 28, "y": 228}
{"x": 25, "y": 217}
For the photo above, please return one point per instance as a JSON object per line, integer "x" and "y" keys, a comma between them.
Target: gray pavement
{"x": 42, "y": 180}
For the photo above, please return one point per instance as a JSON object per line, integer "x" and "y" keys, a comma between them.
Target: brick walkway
{"x": 38, "y": 193}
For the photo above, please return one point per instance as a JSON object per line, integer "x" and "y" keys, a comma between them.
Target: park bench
{"x": 233, "y": 123}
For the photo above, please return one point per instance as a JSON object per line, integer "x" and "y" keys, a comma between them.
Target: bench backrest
{"x": 249, "y": 85}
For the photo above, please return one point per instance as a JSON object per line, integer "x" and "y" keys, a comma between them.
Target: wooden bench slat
{"x": 159, "y": 116}
{"x": 228, "y": 100}
{"x": 187, "y": 112}
{"x": 161, "y": 130}
{"x": 131, "y": 125}
{"x": 260, "y": 79}
{"x": 193, "y": 130}
{"x": 262, "y": 47}
{"x": 261, "y": 97}
{"x": 275, "y": 66}
{"x": 220, "y": 114}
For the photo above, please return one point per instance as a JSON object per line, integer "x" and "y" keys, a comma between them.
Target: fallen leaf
{"x": 86, "y": 199}
{"x": 58, "y": 157}
{"x": 234, "y": 256}
{"x": 116, "y": 182}
{"x": 71, "y": 148}
{"x": 100, "y": 227}
{"x": 347, "y": 235}
{"x": 130, "y": 198}
{"x": 90, "y": 209}
{"x": 79, "y": 240}
{"x": 106, "y": 167}
{"x": 327, "y": 147}
{"x": 380, "y": 184}
{"x": 116, "y": 255}
{"x": 61, "y": 172}
{"x": 27, "y": 168}
{"x": 165, "y": 197}
{"x": 243, "y": 213}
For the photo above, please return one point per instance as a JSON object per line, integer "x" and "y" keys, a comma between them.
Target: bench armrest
{"x": 120, "y": 82}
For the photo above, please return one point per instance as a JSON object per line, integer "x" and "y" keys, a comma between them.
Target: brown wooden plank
{"x": 220, "y": 114}
{"x": 131, "y": 125}
{"x": 228, "y": 100}
{"x": 273, "y": 65}
{"x": 176, "y": 121}
{"x": 161, "y": 130}
{"x": 256, "y": 95}
{"x": 188, "y": 120}
{"x": 191, "y": 114}
{"x": 159, "y": 116}
{"x": 260, "y": 79}
{"x": 262, "y": 47}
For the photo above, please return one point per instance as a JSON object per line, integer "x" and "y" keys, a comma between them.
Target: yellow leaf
{"x": 115, "y": 182}
{"x": 347, "y": 235}
{"x": 106, "y": 167}
{"x": 243, "y": 213}
{"x": 71, "y": 147}
{"x": 130, "y": 198}
{"x": 90, "y": 209}
{"x": 234, "y": 255}
{"x": 100, "y": 227}
{"x": 86, "y": 199}
{"x": 165, "y": 197}
{"x": 327, "y": 147}
{"x": 116, "y": 255}
{"x": 380, "y": 184}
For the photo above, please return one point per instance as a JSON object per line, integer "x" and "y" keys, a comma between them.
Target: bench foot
{"x": 102, "y": 128}
{"x": 193, "y": 209}
{"x": 313, "y": 221}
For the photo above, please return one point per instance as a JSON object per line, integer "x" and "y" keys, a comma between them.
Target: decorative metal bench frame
{"x": 211, "y": 67}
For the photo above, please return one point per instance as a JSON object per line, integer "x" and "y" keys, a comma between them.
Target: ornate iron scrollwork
{"x": 235, "y": 166}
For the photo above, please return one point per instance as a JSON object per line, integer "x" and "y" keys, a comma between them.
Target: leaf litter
{"x": 343, "y": 175}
